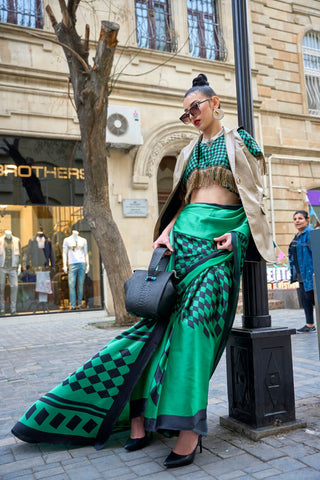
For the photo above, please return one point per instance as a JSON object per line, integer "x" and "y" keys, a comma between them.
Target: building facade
{"x": 162, "y": 46}
{"x": 286, "y": 49}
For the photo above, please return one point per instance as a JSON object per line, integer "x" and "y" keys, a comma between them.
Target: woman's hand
{"x": 224, "y": 242}
{"x": 163, "y": 241}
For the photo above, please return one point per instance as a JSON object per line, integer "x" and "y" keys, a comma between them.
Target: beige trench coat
{"x": 246, "y": 171}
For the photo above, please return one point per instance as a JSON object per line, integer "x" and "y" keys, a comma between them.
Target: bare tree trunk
{"x": 90, "y": 86}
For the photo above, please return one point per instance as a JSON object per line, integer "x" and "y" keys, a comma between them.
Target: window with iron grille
{"x": 311, "y": 62}
{"x": 154, "y": 25}
{"x": 205, "y": 35}
{"x": 27, "y": 13}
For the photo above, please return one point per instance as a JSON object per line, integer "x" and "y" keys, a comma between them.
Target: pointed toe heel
{"x": 174, "y": 460}
{"x": 133, "y": 444}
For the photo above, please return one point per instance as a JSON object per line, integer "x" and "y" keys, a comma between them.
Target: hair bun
{"x": 200, "y": 80}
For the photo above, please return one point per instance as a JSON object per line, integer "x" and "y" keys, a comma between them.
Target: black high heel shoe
{"x": 175, "y": 460}
{"x": 133, "y": 444}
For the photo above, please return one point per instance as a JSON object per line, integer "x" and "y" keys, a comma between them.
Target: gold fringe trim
{"x": 217, "y": 175}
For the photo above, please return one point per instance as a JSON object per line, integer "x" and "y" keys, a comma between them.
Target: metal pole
{"x": 254, "y": 277}
{"x": 259, "y": 360}
{"x": 242, "y": 65}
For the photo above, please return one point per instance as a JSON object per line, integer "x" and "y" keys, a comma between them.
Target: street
{"x": 38, "y": 351}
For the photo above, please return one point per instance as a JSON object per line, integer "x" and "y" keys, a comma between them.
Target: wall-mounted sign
{"x": 135, "y": 207}
{"x": 41, "y": 171}
{"x": 279, "y": 277}
{"x": 26, "y": 171}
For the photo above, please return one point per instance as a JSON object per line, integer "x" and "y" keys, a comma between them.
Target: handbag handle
{"x": 159, "y": 262}
{"x": 157, "y": 255}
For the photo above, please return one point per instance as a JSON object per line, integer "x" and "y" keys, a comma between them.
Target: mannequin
{"x": 76, "y": 263}
{"x": 9, "y": 265}
{"x": 40, "y": 253}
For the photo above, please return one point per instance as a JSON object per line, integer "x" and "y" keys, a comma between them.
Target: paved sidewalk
{"x": 37, "y": 352}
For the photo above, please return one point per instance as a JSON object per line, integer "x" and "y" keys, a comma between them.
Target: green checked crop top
{"x": 209, "y": 164}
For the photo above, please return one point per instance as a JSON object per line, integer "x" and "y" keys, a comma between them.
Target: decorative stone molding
{"x": 168, "y": 139}
{"x": 305, "y": 10}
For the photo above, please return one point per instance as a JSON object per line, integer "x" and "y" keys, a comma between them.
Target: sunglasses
{"x": 194, "y": 110}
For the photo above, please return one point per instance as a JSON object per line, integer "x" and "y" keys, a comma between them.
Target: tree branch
{"x": 72, "y": 8}
{"x": 106, "y": 46}
{"x": 65, "y": 14}
{"x": 100, "y": 105}
{"x": 87, "y": 38}
{"x": 69, "y": 95}
{"x": 104, "y": 57}
{"x": 114, "y": 78}
{"x": 51, "y": 16}
{"x": 85, "y": 66}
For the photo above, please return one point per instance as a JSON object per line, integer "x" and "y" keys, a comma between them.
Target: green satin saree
{"x": 157, "y": 369}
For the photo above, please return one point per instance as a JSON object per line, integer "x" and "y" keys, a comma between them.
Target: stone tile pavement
{"x": 37, "y": 352}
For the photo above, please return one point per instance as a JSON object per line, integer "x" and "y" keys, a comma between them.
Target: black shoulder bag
{"x": 152, "y": 293}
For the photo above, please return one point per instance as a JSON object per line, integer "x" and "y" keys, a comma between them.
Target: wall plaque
{"x": 135, "y": 207}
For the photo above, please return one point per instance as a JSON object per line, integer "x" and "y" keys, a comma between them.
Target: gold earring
{"x": 218, "y": 113}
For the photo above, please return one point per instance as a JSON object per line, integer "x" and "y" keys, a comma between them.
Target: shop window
{"x": 154, "y": 25}
{"x": 311, "y": 62}
{"x": 165, "y": 179}
{"x": 49, "y": 260}
{"x": 205, "y": 35}
{"x": 41, "y": 171}
{"x": 35, "y": 265}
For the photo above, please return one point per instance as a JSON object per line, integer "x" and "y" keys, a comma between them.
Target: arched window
{"x": 311, "y": 62}
{"x": 27, "y": 13}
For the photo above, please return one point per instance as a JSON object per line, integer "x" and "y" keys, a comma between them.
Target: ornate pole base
{"x": 260, "y": 382}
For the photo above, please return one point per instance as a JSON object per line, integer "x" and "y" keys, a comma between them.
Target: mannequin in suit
{"x": 10, "y": 252}
{"x": 76, "y": 263}
{"x": 40, "y": 252}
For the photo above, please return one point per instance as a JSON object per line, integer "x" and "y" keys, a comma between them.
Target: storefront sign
{"x": 137, "y": 207}
{"x": 41, "y": 196}
{"x": 279, "y": 277}
{"x": 25, "y": 171}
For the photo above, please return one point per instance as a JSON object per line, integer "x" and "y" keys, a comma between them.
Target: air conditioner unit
{"x": 123, "y": 127}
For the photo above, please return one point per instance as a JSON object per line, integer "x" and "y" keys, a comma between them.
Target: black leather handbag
{"x": 152, "y": 293}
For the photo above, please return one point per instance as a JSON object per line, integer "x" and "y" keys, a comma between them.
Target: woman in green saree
{"x": 159, "y": 373}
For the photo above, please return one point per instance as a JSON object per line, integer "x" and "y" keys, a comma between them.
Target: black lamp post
{"x": 259, "y": 359}
{"x": 254, "y": 278}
